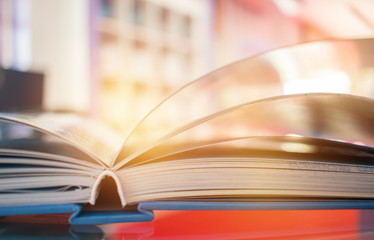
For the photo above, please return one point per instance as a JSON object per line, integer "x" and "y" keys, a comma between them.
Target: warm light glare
{"x": 293, "y": 135}
{"x": 298, "y": 148}
{"x": 288, "y": 7}
{"x": 337, "y": 82}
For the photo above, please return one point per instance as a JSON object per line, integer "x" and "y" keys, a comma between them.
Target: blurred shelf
{"x": 146, "y": 46}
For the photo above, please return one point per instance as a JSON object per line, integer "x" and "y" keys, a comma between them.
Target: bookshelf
{"x": 147, "y": 48}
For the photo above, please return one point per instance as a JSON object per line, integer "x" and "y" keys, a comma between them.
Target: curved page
{"x": 268, "y": 147}
{"x": 346, "y": 63}
{"x": 339, "y": 117}
{"x": 76, "y": 136}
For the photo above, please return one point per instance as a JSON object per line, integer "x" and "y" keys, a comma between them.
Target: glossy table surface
{"x": 261, "y": 224}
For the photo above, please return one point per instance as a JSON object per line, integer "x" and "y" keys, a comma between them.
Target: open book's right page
{"x": 331, "y": 66}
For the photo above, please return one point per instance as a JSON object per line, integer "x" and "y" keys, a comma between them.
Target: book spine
{"x": 95, "y": 188}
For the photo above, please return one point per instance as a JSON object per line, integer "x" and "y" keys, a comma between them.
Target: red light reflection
{"x": 269, "y": 224}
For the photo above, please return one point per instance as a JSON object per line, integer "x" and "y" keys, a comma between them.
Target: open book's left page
{"x": 51, "y": 159}
{"x": 96, "y": 140}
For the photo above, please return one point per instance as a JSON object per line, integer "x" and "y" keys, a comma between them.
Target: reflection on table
{"x": 261, "y": 224}
{"x": 228, "y": 224}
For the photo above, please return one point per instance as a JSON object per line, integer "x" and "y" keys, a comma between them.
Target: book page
{"x": 245, "y": 179}
{"x": 276, "y": 73}
{"x": 265, "y": 147}
{"x": 73, "y": 132}
{"x": 338, "y": 117}
{"x": 263, "y": 168}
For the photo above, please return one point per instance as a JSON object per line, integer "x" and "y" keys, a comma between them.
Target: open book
{"x": 247, "y": 136}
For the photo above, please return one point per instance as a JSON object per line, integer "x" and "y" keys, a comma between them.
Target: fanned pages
{"x": 308, "y": 115}
{"x": 260, "y": 77}
{"x": 256, "y": 131}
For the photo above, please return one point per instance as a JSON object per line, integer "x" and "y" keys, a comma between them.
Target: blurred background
{"x": 116, "y": 59}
